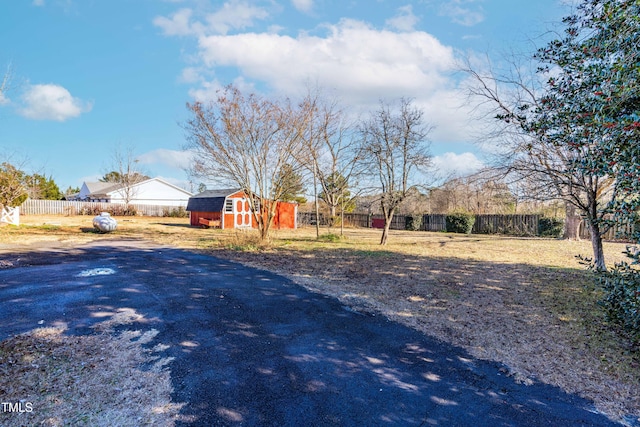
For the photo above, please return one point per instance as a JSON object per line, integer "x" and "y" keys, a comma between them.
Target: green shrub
{"x": 621, "y": 299}
{"x": 413, "y": 222}
{"x": 118, "y": 210}
{"x": 330, "y": 237}
{"x": 460, "y": 222}
{"x": 550, "y": 227}
{"x": 179, "y": 212}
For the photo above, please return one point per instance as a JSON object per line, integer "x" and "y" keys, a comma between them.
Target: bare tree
{"x": 509, "y": 100}
{"x": 330, "y": 154}
{"x": 393, "y": 147}
{"x": 249, "y": 142}
{"x": 125, "y": 172}
{"x": 480, "y": 193}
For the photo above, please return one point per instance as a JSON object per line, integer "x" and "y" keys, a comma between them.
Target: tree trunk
{"x": 268, "y": 213}
{"x": 317, "y": 205}
{"x": 332, "y": 217}
{"x": 596, "y": 244}
{"x": 342, "y": 213}
{"x": 388, "y": 216}
{"x": 571, "y": 222}
{"x": 385, "y": 233}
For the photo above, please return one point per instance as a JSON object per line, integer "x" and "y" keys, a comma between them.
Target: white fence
{"x": 61, "y": 207}
{"x": 10, "y": 215}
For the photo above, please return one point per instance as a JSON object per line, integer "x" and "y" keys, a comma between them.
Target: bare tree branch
{"x": 248, "y": 142}
{"x": 393, "y": 147}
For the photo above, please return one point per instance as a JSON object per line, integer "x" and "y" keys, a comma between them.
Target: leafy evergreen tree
{"x": 593, "y": 107}
{"x": 118, "y": 178}
{"x": 337, "y": 194}
{"x": 71, "y": 190}
{"x": 292, "y": 185}
{"x": 41, "y": 187}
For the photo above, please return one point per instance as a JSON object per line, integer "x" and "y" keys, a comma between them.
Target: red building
{"x": 229, "y": 208}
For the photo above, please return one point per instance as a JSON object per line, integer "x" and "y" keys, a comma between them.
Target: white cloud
{"x": 405, "y": 20}
{"x": 360, "y": 63}
{"x": 463, "y": 12}
{"x": 52, "y": 102}
{"x": 173, "y": 158}
{"x": 3, "y": 99}
{"x": 208, "y": 90}
{"x": 452, "y": 164}
{"x": 303, "y": 5}
{"x": 233, "y": 15}
{"x": 353, "y": 58}
{"x": 190, "y": 75}
{"x": 177, "y": 25}
{"x": 38, "y": 2}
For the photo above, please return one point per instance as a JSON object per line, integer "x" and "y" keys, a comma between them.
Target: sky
{"x": 90, "y": 77}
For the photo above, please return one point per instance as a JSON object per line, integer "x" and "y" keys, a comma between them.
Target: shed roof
{"x": 210, "y": 200}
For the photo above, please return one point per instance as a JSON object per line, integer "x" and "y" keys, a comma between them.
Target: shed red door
{"x": 242, "y": 213}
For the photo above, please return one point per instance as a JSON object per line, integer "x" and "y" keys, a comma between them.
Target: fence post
{"x": 10, "y": 215}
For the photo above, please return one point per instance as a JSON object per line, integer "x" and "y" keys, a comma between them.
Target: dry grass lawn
{"x": 93, "y": 380}
{"x": 524, "y": 302}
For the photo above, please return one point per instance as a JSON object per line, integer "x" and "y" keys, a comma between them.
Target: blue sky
{"x": 91, "y": 75}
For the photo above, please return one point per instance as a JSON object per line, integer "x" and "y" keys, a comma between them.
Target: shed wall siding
{"x": 285, "y": 215}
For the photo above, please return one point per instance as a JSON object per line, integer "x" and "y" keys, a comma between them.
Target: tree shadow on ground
{"x": 166, "y": 224}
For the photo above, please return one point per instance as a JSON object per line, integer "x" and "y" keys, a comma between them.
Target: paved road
{"x": 251, "y": 348}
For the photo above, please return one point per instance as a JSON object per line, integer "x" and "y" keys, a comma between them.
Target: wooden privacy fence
{"x": 62, "y": 207}
{"x": 487, "y": 224}
{"x": 521, "y": 225}
{"x": 619, "y": 231}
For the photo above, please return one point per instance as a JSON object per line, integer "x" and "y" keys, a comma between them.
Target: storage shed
{"x": 229, "y": 208}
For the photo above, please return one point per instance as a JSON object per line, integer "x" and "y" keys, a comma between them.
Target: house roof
{"x": 100, "y": 190}
{"x": 167, "y": 184}
{"x": 99, "y": 187}
{"x": 210, "y": 200}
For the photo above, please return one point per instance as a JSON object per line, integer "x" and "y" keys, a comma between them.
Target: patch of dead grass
{"x": 94, "y": 380}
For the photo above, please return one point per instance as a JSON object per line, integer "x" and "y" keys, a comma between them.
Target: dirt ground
{"x": 524, "y": 302}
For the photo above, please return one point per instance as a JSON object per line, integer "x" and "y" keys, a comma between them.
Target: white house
{"x": 154, "y": 191}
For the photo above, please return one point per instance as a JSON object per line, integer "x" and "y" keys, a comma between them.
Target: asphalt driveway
{"x": 252, "y": 348}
